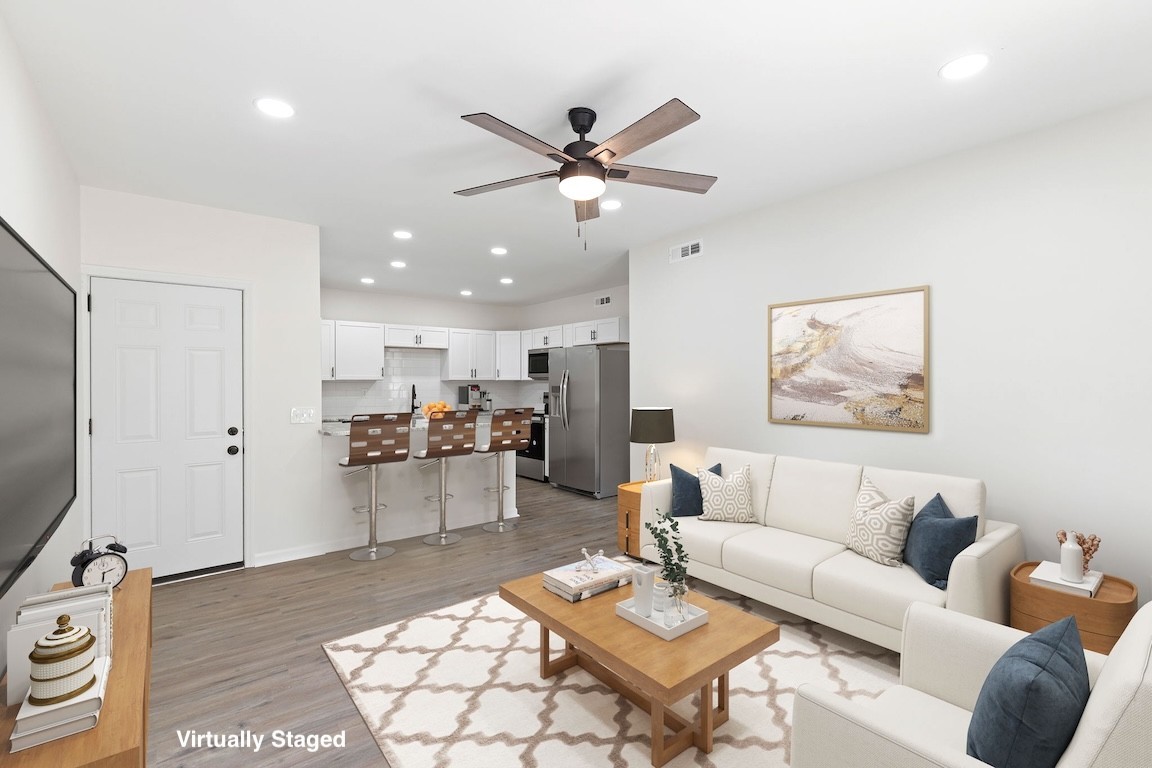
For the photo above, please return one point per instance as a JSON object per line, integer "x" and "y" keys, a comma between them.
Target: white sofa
{"x": 795, "y": 558}
{"x": 923, "y": 721}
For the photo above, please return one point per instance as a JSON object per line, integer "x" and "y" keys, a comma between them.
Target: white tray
{"x": 697, "y": 617}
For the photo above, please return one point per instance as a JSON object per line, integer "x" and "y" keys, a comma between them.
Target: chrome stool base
{"x": 500, "y": 526}
{"x": 370, "y": 553}
{"x": 442, "y": 539}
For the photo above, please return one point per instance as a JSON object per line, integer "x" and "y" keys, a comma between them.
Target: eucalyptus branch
{"x": 673, "y": 558}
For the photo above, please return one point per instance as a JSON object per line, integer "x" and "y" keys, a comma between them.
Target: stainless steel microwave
{"x": 538, "y": 364}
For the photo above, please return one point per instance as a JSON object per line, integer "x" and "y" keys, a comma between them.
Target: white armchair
{"x": 945, "y": 657}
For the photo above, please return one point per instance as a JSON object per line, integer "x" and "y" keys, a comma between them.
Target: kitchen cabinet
{"x": 545, "y": 338}
{"x": 417, "y": 336}
{"x": 508, "y": 366}
{"x": 608, "y": 330}
{"x": 327, "y": 350}
{"x": 525, "y": 345}
{"x": 471, "y": 355}
{"x": 359, "y": 350}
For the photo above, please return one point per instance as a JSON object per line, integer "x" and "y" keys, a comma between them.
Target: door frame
{"x": 84, "y": 376}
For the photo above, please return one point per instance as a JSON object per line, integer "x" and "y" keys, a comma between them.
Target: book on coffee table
{"x": 577, "y": 581}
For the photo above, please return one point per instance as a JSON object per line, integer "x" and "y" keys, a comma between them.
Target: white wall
{"x": 1037, "y": 251}
{"x": 40, "y": 199}
{"x": 279, "y": 261}
{"x": 575, "y": 309}
{"x": 374, "y": 307}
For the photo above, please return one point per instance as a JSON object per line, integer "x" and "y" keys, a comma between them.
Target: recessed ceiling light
{"x": 964, "y": 66}
{"x": 465, "y": 293}
{"x": 610, "y": 205}
{"x": 275, "y": 107}
{"x": 498, "y": 251}
{"x": 367, "y": 280}
{"x": 506, "y": 280}
{"x": 402, "y": 235}
{"x": 398, "y": 264}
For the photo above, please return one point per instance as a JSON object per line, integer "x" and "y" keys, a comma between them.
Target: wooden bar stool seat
{"x": 375, "y": 439}
{"x": 511, "y": 431}
{"x": 450, "y": 433}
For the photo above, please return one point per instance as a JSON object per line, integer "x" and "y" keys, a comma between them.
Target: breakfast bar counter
{"x": 403, "y": 486}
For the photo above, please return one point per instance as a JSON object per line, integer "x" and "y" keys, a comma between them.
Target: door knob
{"x": 233, "y": 430}
{"x": 233, "y": 450}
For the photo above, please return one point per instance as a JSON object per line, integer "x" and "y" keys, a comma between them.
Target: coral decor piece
{"x": 1089, "y": 544}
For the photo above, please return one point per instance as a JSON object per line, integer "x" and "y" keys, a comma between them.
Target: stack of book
{"x": 86, "y": 606}
{"x": 579, "y": 581}
{"x": 1047, "y": 574}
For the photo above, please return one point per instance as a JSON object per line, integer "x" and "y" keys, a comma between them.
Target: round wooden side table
{"x": 1101, "y": 619}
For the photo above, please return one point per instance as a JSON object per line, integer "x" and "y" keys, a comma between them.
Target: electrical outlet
{"x": 303, "y": 416}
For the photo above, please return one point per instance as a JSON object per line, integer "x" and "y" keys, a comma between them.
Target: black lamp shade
{"x": 652, "y": 425}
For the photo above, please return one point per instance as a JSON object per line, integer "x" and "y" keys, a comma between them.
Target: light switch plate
{"x": 303, "y": 416}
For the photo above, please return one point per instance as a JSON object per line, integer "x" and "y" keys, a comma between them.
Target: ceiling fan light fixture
{"x": 964, "y": 67}
{"x": 582, "y": 180}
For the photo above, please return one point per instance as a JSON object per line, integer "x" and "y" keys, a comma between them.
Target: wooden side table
{"x": 1101, "y": 619}
{"x": 628, "y": 517}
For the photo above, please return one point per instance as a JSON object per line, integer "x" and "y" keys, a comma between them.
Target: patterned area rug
{"x": 461, "y": 687}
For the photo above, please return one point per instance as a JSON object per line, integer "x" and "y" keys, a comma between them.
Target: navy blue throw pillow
{"x": 686, "y": 498}
{"x": 1032, "y": 700}
{"x": 935, "y": 538}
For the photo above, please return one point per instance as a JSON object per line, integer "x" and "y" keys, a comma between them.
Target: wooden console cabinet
{"x": 1101, "y": 619}
{"x": 120, "y": 738}
{"x": 628, "y": 517}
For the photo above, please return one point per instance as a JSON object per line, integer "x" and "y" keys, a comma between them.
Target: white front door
{"x": 168, "y": 423}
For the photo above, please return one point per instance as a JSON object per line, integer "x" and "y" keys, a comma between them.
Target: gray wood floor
{"x": 241, "y": 651}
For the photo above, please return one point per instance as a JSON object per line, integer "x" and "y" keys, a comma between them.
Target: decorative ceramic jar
{"x": 62, "y": 664}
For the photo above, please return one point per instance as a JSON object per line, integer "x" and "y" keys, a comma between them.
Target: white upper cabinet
{"x": 508, "y": 348}
{"x": 609, "y": 330}
{"x": 424, "y": 337}
{"x": 327, "y": 350}
{"x": 545, "y": 338}
{"x": 359, "y": 350}
{"x": 471, "y": 355}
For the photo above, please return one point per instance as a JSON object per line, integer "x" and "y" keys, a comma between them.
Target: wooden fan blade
{"x": 515, "y": 135}
{"x": 587, "y": 209}
{"x": 655, "y": 125}
{"x": 507, "y": 183}
{"x": 657, "y": 177}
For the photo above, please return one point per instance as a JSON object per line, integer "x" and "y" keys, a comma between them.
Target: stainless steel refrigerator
{"x": 588, "y": 449}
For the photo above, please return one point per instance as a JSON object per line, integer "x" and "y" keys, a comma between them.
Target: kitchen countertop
{"x": 337, "y": 427}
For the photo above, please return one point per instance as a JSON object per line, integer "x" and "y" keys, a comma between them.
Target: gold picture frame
{"x": 857, "y": 361}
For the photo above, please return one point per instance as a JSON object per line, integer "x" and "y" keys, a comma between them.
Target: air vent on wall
{"x": 684, "y": 251}
{"x": 602, "y": 300}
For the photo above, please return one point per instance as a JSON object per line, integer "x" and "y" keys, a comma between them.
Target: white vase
{"x": 643, "y": 579}
{"x": 659, "y": 596}
{"x": 1071, "y": 560}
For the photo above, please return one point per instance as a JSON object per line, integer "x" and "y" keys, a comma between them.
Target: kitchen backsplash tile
{"x": 419, "y": 367}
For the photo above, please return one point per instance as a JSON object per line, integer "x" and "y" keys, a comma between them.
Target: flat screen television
{"x": 37, "y": 404}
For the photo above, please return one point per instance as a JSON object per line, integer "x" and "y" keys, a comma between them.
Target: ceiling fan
{"x": 584, "y": 166}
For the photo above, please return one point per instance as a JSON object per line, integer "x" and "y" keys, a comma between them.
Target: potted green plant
{"x": 674, "y": 565}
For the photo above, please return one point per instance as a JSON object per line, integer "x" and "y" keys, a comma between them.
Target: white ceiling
{"x": 155, "y": 98}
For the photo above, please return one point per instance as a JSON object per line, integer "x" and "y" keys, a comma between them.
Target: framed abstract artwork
{"x": 856, "y": 361}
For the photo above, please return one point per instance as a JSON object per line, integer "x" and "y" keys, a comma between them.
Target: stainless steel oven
{"x": 530, "y": 460}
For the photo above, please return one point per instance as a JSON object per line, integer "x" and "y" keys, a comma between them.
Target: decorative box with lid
{"x": 62, "y": 664}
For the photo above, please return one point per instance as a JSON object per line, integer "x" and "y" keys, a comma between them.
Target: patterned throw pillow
{"x": 879, "y": 526}
{"x": 727, "y": 499}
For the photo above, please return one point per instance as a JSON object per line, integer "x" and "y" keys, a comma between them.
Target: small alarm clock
{"x": 100, "y": 565}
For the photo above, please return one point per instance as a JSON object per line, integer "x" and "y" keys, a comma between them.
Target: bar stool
{"x": 375, "y": 439}
{"x": 450, "y": 433}
{"x": 511, "y": 431}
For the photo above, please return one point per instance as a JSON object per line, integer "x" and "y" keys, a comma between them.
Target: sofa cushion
{"x": 727, "y": 499}
{"x": 778, "y": 558}
{"x": 935, "y": 538}
{"x": 812, "y": 497}
{"x": 1032, "y": 700}
{"x": 863, "y": 587}
{"x": 704, "y": 540}
{"x": 761, "y": 465}
{"x": 966, "y": 496}
{"x": 686, "y": 500}
{"x": 880, "y": 525}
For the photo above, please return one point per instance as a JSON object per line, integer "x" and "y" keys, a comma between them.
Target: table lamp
{"x": 652, "y": 425}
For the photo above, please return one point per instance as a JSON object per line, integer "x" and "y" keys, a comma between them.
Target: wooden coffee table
{"x": 651, "y": 672}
